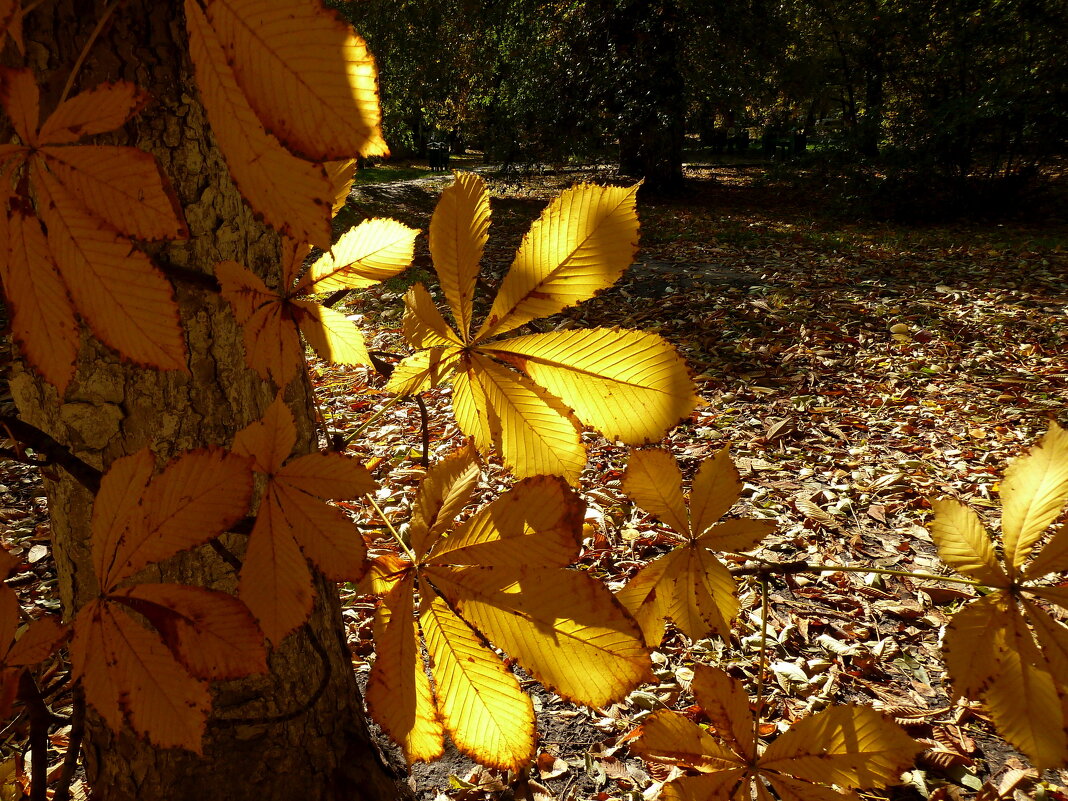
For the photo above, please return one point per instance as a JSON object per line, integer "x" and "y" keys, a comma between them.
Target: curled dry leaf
{"x": 500, "y": 577}
{"x": 529, "y": 397}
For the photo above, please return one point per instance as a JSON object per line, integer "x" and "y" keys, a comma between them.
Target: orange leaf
{"x": 295, "y": 197}
{"x": 98, "y": 110}
{"x": 117, "y": 506}
{"x": 269, "y": 440}
{"x": 120, "y": 185}
{"x": 305, "y": 72}
{"x": 42, "y": 316}
{"x": 11, "y": 23}
{"x": 211, "y": 633}
{"x": 197, "y": 496}
{"x": 21, "y": 101}
{"x": 327, "y": 475}
{"x": 126, "y": 301}
{"x": 130, "y": 676}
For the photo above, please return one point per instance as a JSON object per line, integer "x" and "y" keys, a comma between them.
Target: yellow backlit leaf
{"x": 126, "y": 301}
{"x": 629, "y": 385}
{"x": 1053, "y": 558}
{"x": 444, "y": 491}
{"x": 424, "y": 327}
{"x": 342, "y": 175}
{"x": 459, "y": 231}
{"x": 739, "y": 534}
{"x": 41, "y": 312}
{"x": 561, "y": 625}
{"x": 534, "y": 432}
{"x": 963, "y": 543}
{"x": 1033, "y": 494}
{"x": 703, "y": 594}
{"x": 972, "y": 641}
{"x": 849, "y": 746}
{"x": 482, "y": 706}
{"x": 369, "y": 253}
{"x": 295, "y": 197}
{"x": 398, "y": 690}
{"x": 653, "y": 481}
{"x": 330, "y": 333}
{"x": 1052, "y": 636}
{"x": 716, "y": 488}
{"x": 537, "y": 522}
{"x": 648, "y": 599}
{"x": 581, "y": 244}
{"x": 424, "y": 370}
{"x": 306, "y": 73}
{"x": 842, "y": 748}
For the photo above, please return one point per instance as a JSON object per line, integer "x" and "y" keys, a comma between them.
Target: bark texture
{"x": 299, "y": 731}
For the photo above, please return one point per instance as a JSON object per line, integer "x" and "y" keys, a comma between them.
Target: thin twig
{"x": 53, "y": 451}
{"x": 783, "y": 568}
{"x": 424, "y": 425}
{"x": 225, "y": 553}
{"x": 85, "y": 50}
{"x": 762, "y": 666}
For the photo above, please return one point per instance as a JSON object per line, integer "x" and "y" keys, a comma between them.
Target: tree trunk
{"x": 298, "y": 732}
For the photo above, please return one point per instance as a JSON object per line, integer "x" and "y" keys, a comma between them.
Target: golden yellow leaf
{"x": 703, "y": 592}
{"x": 198, "y": 497}
{"x": 1052, "y": 636}
{"x": 306, "y": 73}
{"x": 1053, "y": 558}
{"x": 295, "y": 197}
{"x": 370, "y": 252}
{"x": 849, "y": 746}
{"x": 716, "y": 488}
{"x": 964, "y": 544}
{"x": 653, "y": 481}
{"x": 444, "y": 491}
{"x": 1025, "y": 703}
{"x": 581, "y": 244}
{"x": 1033, "y": 494}
{"x": 739, "y": 534}
{"x": 535, "y": 433}
{"x": 459, "y": 231}
{"x": 424, "y": 370}
{"x": 330, "y": 333}
{"x": 673, "y": 739}
{"x": 537, "y": 522}
{"x": 126, "y": 301}
{"x": 41, "y": 312}
{"x": 482, "y": 706}
{"x": 424, "y": 327}
{"x": 725, "y": 703}
{"x": 398, "y": 690}
{"x": 629, "y": 385}
{"x": 561, "y": 625}
{"x": 844, "y": 747}
{"x": 971, "y": 643}
{"x": 647, "y": 597}
{"x": 342, "y": 175}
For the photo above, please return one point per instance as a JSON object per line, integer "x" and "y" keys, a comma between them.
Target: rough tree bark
{"x": 298, "y": 732}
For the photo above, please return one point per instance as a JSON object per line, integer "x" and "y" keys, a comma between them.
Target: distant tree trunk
{"x": 299, "y": 731}
{"x": 645, "y": 35}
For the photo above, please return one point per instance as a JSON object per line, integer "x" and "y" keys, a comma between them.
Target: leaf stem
{"x": 396, "y": 534}
{"x": 85, "y": 50}
{"x": 366, "y": 423}
{"x": 762, "y": 664}
{"x": 783, "y": 568}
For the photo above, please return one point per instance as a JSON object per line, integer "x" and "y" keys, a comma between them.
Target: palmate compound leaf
{"x": 689, "y": 585}
{"x": 502, "y": 577}
{"x": 18, "y": 651}
{"x": 155, "y": 678}
{"x": 845, "y": 747}
{"x": 270, "y": 319}
{"x": 288, "y": 90}
{"x": 67, "y": 242}
{"x": 294, "y": 524}
{"x": 1005, "y": 648}
{"x": 529, "y": 397}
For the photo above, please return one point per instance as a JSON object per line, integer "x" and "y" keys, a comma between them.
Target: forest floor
{"x": 856, "y": 369}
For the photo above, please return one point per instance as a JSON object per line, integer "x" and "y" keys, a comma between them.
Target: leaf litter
{"x": 856, "y": 371}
